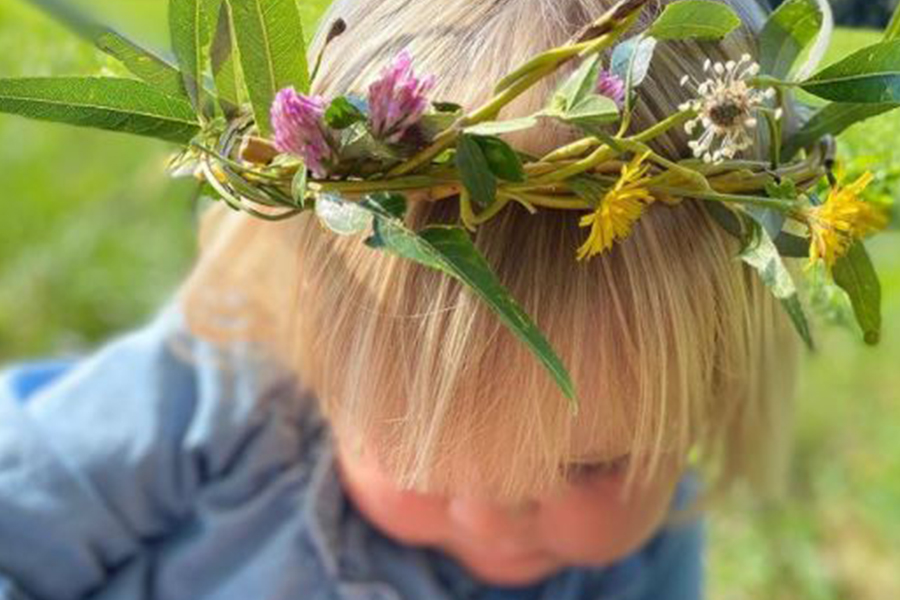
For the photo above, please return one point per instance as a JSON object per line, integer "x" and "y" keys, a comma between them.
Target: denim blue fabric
{"x": 134, "y": 473}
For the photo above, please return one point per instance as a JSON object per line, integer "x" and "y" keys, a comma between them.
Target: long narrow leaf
{"x": 449, "y": 249}
{"x": 762, "y": 255}
{"x": 869, "y": 76}
{"x": 832, "y": 119}
{"x": 226, "y": 66}
{"x": 269, "y": 36}
{"x": 140, "y": 61}
{"x": 154, "y": 70}
{"x": 820, "y": 46}
{"x": 113, "y": 104}
{"x": 787, "y": 34}
{"x": 190, "y": 31}
{"x": 893, "y": 29}
{"x": 856, "y": 275}
{"x": 464, "y": 262}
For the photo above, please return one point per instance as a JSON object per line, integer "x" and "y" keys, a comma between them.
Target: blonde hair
{"x": 675, "y": 346}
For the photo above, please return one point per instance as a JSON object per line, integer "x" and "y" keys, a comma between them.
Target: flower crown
{"x": 238, "y": 101}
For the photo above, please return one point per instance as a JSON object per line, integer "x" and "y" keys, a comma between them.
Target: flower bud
{"x": 397, "y": 99}
{"x": 611, "y": 86}
{"x": 298, "y": 121}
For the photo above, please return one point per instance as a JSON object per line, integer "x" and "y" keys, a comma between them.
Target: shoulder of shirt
{"x": 159, "y": 377}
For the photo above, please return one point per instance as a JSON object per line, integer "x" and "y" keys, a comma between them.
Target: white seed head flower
{"x": 726, "y": 108}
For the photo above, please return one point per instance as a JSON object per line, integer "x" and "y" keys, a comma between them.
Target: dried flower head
{"x": 397, "y": 99}
{"x": 619, "y": 209}
{"x": 844, "y": 218}
{"x": 611, "y": 85}
{"x": 298, "y": 121}
{"x": 726, "y": 107}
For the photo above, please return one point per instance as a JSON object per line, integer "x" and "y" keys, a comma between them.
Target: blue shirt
{"x": 133, "y": 473}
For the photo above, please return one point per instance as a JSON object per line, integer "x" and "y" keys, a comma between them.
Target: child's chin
{"x": 504, "y": 572}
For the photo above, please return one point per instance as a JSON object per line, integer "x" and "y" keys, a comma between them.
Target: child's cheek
{"x": 594, "y": 525}
{"x": 406, "y": 516}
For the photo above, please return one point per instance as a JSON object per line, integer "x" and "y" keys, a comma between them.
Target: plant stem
{"x": 651, "y": 133}
{"x": 601, "y": 154}
{"x": 782, "y": 205}
{"x": 377, "y": 185}
{"x": 539, "y": 70}
{"x": 572, "y": 150}
{"x": 551, "y": 201}
{"x": 581, "y": 146}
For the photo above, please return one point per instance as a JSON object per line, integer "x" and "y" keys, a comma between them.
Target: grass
{"x": 94, "y": 238}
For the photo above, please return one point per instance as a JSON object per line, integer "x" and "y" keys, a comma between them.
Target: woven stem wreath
{"x": 238, "y": 102}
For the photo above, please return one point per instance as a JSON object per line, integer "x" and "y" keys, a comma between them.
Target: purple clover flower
{"x": 397, "y": 99}
{"x": 611, "y": 85}
{"x": 298, "y": 121}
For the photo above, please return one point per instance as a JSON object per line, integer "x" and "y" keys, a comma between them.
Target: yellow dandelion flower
{"x": 844, "y": 218}
{"x": 619, "y": 209}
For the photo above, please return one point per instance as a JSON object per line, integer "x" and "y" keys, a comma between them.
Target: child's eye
{"x": 576, "y": 473}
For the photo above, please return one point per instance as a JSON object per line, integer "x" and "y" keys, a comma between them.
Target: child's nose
{"x": 484, "y": 518}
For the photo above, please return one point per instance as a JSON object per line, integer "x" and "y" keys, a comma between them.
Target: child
{"x": 310, "y": 418}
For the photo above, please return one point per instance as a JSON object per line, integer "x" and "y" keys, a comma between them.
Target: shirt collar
{"x": 325, "y": 504}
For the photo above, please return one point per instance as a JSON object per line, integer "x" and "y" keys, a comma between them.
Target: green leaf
{"x": 762, "y": 255}
{"x": 462, "y": 260}
{"x": 299, "y": 185}
{"x": 770, "y": 219}
{"x": 390, "y": 205}
{"x": 154, "y": 70}
{"x": 869, "y": 76}
{"x": 787, "y": 34}
{"x": 694, "y": 19}
{"x": 635, "y": 53}
{"x": 588, "y": 189}
{"x": 341, "y": 216}
{"x": 226, "y": 67}
{"x": 269, "y": 37}
{"x": 143, "y": 63}
{"x": 499, "y": 127}
{"x": 475, "y": 172}
{"x": 447, "y": 107}
{"x": 391, "y": 233}
{"x": 191, "y": 25}
{"x": 449, "y": 249}
{"x": 358, "y": 144}
{"x": 593, "y": 111}
{"x": 432, "y": 124}
{"x": 737, "y": 224}
{"x": 792, "y": 246}
{"x": 820, "y": 47}
{"x": 113, "y": 104}
{"x": 501, "y": 158}
{"x": 892, "y": 32}
{"x": 855, "y": 274}
{"x": 342, "y": 113}
{"x": 581, "y": 83}
{"x": 832, "y": 119}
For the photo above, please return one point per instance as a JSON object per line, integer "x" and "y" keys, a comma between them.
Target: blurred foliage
{"x": 94, "y": 238}
{"x": 836, "y": 536}
{"x": 860, "y": 13}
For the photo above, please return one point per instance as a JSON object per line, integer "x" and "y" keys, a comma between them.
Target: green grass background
{"x": 93, "y": 237}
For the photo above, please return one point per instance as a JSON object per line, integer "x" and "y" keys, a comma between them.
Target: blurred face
{"x": 587, "y": 523}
